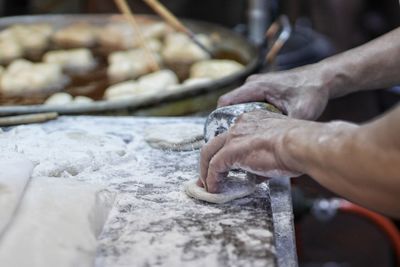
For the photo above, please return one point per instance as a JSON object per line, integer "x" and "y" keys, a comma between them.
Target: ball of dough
{"x": 80, "y": 34}
{"x": 59, "y": 99}
{"x": 125, "y": 65}
{"x": 23, "y": 77}
{"x": 122, "y": 90}
{"x": 180, "y": 48}
{"x": 33, "y": 37}
{"x": 82, "y": 100}
{"x": 10, "y": 47}
{"x": 121, "y": 35}
{"x": 215, "y": 68}
{"x": 74, "y": 60}
{"x": 158, "y": 80}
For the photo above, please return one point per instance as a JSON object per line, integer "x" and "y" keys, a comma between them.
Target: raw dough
{"x": 232, "y": 188}
{"x": 125, "y": 65}
{"x": 176, "y": 137}
{"x": 23, "y": 77}
{"x": 15, "y": 172}
{"x": 150, "y": 84}
{"x": 34, "y": 38}
{"x": 73, "y": 60}
{"x": 10, "y": 47}
{"x": 158, "y": 81}
{"x": 79, "y": 34}
{"x": 57, "y": 224}
{"x": 197, "y": 81}
{"x": 23, "y": 40}
{"x": 214, "y": 68}
{"x": 128, "y": 89}
{"x": 80, "y": 99}
{"x": 180, "y": 48}
{"x": 121, "y": 35}
{"x": 62, "y": 98}
{"x": 59, "y": 99}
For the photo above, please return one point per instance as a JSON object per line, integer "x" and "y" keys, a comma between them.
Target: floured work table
{"x": 97, "y": 176}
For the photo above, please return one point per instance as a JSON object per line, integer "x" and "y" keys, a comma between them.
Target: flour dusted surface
{"x": 152, "y": 222}
{"x": 177, "y": 136}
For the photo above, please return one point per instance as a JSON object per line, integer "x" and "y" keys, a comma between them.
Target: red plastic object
{"x": 385, "y": 224}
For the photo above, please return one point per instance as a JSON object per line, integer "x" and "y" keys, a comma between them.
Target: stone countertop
{"x": 152, "y": 222}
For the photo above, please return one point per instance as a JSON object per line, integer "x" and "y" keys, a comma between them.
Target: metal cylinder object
{"x": 222, "y": 118}
{"x": 258, "y": 20}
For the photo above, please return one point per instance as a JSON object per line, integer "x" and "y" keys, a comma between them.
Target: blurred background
{"x": 343, "y": 23}
{"x": 322, "y": 28}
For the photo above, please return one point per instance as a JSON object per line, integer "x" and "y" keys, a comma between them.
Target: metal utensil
{"x": 174, "y": 22}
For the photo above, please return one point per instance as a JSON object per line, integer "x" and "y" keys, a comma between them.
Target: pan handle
{"x": 276, "y": 36}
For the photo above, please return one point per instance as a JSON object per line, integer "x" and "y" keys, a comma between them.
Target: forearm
{"x": 360, "y": 163}
{"x": 371, "y": 66}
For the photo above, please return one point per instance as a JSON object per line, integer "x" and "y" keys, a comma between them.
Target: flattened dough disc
{"x": 176, "y": 137}
{"x": 15, "y": 172}
{"x": 232, "y": 188}
{"x": 57, "y": 224}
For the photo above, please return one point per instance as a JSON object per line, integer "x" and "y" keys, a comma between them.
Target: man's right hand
{"x": 303, "y": 93}
{"x": 299, "y": 93}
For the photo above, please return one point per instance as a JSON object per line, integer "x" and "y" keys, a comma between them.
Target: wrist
{"x": 320, "y": 78}
{"x": 307, "y": 147}
{"x": 292, "y": 149}
{"x": 333, "y": 78}
{"x": 346, "y": 73}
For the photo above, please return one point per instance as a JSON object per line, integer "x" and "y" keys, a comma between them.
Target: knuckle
{"x": 203, "y": 152}
{"x": 252, "y": 77}
{"x": 223, "y": 100}
{"x": 235, "y": 132}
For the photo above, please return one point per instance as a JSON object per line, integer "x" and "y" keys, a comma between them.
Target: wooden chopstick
{"x": 174, "y": 22}
{"x": 127, "y": 12}
{"x": 26, "y": 119}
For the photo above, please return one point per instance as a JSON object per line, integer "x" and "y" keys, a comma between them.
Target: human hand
{"x": 255, "y": 143}
{"x": 300, "y": 93}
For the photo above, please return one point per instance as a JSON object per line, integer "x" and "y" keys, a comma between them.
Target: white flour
{"x": 153, "y": 222}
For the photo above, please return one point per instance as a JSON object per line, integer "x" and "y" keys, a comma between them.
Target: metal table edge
{"x": 282, "y": 213}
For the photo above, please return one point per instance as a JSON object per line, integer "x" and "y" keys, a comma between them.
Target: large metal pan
{"x": 192, "y": 99}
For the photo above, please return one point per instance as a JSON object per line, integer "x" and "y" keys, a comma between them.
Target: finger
{"x": 253, "y": 77}
{"x": 249, "y": 92}
{"x": 218, "y": 169}
{"x": 207, "y": 153}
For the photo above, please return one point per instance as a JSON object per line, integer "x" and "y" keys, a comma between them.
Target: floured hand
{"x": 300, "y": 93}
{"x": 254, "y": 143}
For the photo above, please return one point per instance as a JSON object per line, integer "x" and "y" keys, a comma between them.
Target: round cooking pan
{"x": 188, "y": 100}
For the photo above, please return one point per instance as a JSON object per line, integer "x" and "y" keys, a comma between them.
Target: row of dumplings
{"x": 25, "y": 40}
{"x": 128, "y": 71}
